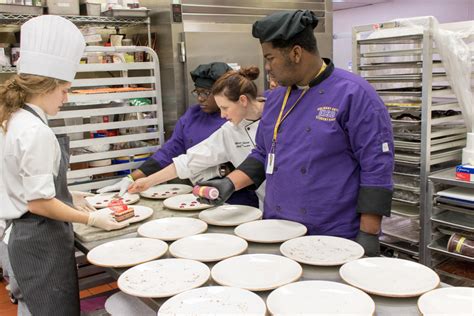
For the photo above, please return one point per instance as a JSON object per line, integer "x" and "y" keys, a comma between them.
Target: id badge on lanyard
{"x": 281, "y": 118}
{"x": 271, "y": 155}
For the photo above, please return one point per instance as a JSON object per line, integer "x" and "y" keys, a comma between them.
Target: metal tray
{"x": 448, "y": 231}
{"x": 446, "y": 200}
{"x": 402, "y": 228}
{"x": 126, "y": 12}
{"x": 400, "y": 246}
{"x": 453, "y": 208}
{"x": 401, "y": 52}
{"x": 402, "y": 209}
{"x": 456, "y": 220}
{"x": 440, "y": 245}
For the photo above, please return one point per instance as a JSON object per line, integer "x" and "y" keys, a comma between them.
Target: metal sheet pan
{"x": 440, "y": 244}
{"x": 456, "y": 220}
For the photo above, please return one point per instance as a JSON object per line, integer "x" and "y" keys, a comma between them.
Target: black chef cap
{"x": 283, "y": 25}
{"x": 205, "y": 75}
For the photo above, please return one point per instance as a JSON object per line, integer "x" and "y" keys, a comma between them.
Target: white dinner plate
{"x": 457, "y": 301}
{"x": 172, "y": 228}
{"x": 389, "y": 276}
{"x": 230, "y": 215}
{"x": 127, "y": 252}
{"x": 319, "y": 298}
{"x": 322, "y": 250}
{"x": 256, "y": 272}
{"x": 214, "y": 300}
{"x": 164, "y": 191}
{"x": 208, "y": 247}
{"x": 163, "y": 278}
{"x": 141, "y": 213}
{"x": 270, "y": 230}
{"x": 185, "y": 202}
{"x": 121, "y": 304}
{"x": 102, "y": 200}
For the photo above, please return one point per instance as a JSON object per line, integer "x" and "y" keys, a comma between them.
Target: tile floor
{"x": 9, "y": 309}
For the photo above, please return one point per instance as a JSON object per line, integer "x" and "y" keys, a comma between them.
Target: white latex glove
{"x": 121, "y": 186}
{"x": 80, "y": 203}
{"x": 104, "y": 221}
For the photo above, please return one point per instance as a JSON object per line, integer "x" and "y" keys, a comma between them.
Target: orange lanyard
{"x": 282, "y": 117}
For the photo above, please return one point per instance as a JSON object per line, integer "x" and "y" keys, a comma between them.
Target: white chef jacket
{"x": 29, "y": 161}
{"x": 229, "y": 143}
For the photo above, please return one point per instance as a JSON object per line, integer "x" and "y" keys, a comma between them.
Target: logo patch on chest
{"x": 326, "y": 113}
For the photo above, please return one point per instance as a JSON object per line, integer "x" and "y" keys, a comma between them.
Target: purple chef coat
{"x": 336, "y": 140}
{"x": 192, "y": 128}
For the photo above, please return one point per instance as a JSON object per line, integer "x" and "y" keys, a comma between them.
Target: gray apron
{"x": 42, "y": 253}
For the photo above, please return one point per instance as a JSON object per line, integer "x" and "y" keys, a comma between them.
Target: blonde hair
{"x": 15, "y": 91}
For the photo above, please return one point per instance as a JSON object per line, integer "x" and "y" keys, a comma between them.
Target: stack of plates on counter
{"x": 172, "y": 228}
{"x": 214, "y": 300}
{"x": 256, "y": 272}
{"x": 163, "y": 278}
{"x": 164, "y": 191}
{"x": 389, "y": 277}
{"x": 127, "y": 252}
{"x": 322, "y": 250}
{"x": 230, "y": 215}
{"x": 270, "y": 230}
{"x": 208, "y": 247}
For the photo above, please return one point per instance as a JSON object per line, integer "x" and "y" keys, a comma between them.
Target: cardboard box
{"x": 63, "y": 7}
{"x": 465, "y": 173}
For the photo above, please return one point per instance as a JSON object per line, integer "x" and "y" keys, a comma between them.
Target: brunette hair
{"x": 15, "y": 91}
{"x": 234, "y": 83}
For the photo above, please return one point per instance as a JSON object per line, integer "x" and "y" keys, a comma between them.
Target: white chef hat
{"x": 50, "y": 46}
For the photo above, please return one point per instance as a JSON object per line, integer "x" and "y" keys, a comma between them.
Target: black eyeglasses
{"x": 201, "y": 94}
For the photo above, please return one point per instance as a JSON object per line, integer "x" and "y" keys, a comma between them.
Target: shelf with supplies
{"x": 452, "y": 227}
{"x": 113, "y": 117}
{"x": 18, "y": 19}
{"x": 404, "y": 66}
{"x": 11, "y": 23}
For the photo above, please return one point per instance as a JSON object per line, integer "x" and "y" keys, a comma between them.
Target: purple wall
{"x": 445, "y": 11}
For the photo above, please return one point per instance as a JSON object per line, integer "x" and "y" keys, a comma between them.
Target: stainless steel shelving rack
{"x": 445, "y": 218}
{"x": 137, "y": 124}
{"x": 404, "y": 67}
{"x": 12, "y": 22}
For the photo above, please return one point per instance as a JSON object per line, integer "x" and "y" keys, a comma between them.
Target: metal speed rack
{"x": 404, "y": 67}
{"x": 115, "y": 119}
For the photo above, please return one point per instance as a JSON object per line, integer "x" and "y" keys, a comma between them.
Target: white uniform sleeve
{"x": 201, "y": 162}
{"x": 37, "y": 155}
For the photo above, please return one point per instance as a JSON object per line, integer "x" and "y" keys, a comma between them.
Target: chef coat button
{"x": 308, "y": 129}
{"x": 190, "y": 141}
{"x": 321, "y": 91}
{"x": 302, "y": 210}
{"x": 275, "y": 169}
{"x": 248, "y": 128}
{"x": 278, "y": 208}
{"x": 303, "y": 170}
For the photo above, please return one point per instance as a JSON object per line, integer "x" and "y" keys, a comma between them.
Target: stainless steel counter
{"x": 383, "y": 305}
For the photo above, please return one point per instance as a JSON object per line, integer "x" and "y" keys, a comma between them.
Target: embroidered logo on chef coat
{"x": 326, "y": 113}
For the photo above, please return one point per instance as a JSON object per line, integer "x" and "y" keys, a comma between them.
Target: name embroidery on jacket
{"x": 326, "y": 113}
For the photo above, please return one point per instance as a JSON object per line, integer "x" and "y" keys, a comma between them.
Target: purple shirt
{"x": 192, "y": 127}
{"x": 337, "y": 139}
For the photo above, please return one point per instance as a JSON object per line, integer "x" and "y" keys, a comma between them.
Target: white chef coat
{"x": 229, "y": 143}
{"x": 30, "y": 157}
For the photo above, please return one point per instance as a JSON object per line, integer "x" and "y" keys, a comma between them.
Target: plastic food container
{"x": 460, "y": 244}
